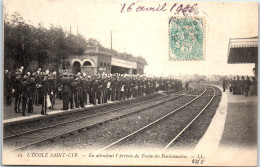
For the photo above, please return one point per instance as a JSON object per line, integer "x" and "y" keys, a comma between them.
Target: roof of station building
{"x": 243, "y": 50}
{"x": 113, "y": 53}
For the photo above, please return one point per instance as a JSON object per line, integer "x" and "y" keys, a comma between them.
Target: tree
{"x": 93, "y": 42}
{"x": 25, "y": 44}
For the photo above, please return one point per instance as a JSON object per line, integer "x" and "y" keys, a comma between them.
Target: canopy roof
{"x": 243, "y": 50}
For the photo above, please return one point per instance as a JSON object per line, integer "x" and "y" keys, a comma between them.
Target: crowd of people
{"x": 241, "y": 85}
{"x": 77, "y": 90}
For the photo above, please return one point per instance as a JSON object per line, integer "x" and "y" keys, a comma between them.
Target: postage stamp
{"x": 186, "y": 38}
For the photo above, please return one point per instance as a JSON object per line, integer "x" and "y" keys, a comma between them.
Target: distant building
{"x": 97, "y": 59}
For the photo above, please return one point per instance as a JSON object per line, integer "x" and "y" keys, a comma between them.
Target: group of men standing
{"x": 78, "y": 90}
{"x": 241, "y": 86}
{"x": 29, "y": 89}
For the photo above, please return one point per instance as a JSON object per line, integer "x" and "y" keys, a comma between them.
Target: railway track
{"x": 8, "y": 140}
{"x": 161, "y": 119}
{"x": 15, "y": 131}
{"x": 188, "y": 125}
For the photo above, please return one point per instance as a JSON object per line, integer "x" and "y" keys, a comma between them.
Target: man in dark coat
{"x": 247, "y": 85}
{"x": 224, "y": 84}
{"x": 107, "y": 87}
{"x": 237, "y": 86}
{"x": 81, "y": 92}
{"x": 135, "y": 87}
{"x": 84, "y": 94}
{"x": 17, "y": 91}
{"x": 94, "y": 90}
{"x": 32, "y": 86}
{"x": 45, "y": 91}
{"x": 51, "y": 89}
{"x": 99, "y": 90}
{"x": 25, "y": 93}
{"x": 75, "y": 95}
{"x": 113, "y": 88}
{"x": 242, "y": 85}
{"x": 65, "y": 83}
{"x": 88, "y": 86}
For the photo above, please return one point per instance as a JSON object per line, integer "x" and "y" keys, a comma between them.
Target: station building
{"x": 243, "y": 50}
{"x": 97, "y": 59}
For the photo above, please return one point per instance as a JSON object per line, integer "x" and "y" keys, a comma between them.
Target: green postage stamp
{"x": 186, "y": 38}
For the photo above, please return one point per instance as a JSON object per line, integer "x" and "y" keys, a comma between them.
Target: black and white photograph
{"x": 161, "y": 83}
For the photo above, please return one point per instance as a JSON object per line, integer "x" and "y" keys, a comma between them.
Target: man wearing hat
{"x": 51, "y": 89}
{"x": 122, "y": 88}
{"x": 32, "y": 89}
{"x": 44, "y": 91}
{"x": 113, "y": 88}
{"x": 135, "y": 86}
{"x": 94, "y": 90}
{"x": 88, "y": 87}
{"x": 36, "y": 95}
{"x": 54, "y": 87}
{"x": 38, "y": 82}
{"x": 17, "y": 90}
{"x": 74, "y": 96}
{"x": 99, "y": 89}
{"x": 25, "y": 93}
{"x": 247, "y": 85}
{"x": 80, "y": 90}
{"x": 127, "y": 87}
{"x": 139, "y": 86}
{"x": 84, "y": 93}
{"x": 107, "y": 88}
{"x": 66, "y": 91}
{"x": 118, "y": 87}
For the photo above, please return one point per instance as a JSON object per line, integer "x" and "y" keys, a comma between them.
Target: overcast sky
{"x": 146, "y": 33}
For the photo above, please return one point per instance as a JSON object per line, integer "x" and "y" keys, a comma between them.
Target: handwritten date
{"x": 185, "y": 10}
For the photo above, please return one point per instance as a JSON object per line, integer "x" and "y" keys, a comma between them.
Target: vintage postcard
{"x": 160, "y": 83}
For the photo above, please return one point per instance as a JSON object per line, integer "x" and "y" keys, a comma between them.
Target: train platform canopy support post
{"x": 243, "y": 50}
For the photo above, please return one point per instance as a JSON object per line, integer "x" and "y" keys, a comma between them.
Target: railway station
{"x": 97, "y": 59}
{"x": 219, "y": 119}
{"x": 227, "y": 118}
{"x": 212, "y": 117}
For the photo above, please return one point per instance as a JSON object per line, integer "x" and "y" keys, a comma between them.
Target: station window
{"x": 108, "y": 65}
{"x": 87, "y": 63}
{"x": 101, "y": 64}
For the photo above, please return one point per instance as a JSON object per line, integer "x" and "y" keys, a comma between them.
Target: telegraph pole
{"x": 78, "y": 37}
{"x": 111, "y": 40}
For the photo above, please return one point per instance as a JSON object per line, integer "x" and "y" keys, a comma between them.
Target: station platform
{"x": 10, "y": 116}
{"x": 232, "y": 133}
{"x": 241, "y": 122}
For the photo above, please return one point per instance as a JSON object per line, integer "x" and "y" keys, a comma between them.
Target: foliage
{"x": 25, "y": 44}
{"x": 37, "y": 47}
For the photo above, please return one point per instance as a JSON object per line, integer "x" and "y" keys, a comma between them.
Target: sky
{"x": 146, "y": 33}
